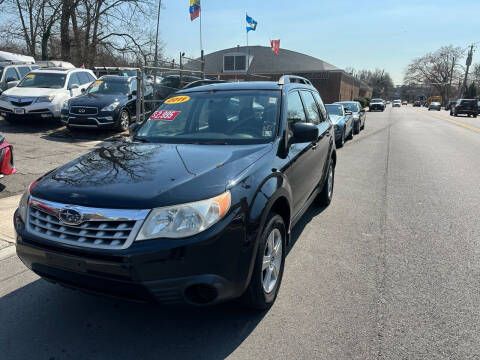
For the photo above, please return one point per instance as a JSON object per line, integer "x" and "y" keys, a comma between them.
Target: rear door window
{"x": 321, "y": 105}
{"x": 83, "y": 77}
{"x": 311, "y": 107}
{"x": 295, "y": 110}
{"x": 73, "y": 80}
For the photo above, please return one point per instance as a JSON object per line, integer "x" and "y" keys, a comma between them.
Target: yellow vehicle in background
{"x": 433, "y": 99}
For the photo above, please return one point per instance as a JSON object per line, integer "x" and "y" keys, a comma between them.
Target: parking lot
{"x": 389, "y": 270}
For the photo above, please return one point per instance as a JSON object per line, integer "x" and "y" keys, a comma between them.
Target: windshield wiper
{"x": 219, "y": 142}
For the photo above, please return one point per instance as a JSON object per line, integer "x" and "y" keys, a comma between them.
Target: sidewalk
{"x": 7, "y": 208}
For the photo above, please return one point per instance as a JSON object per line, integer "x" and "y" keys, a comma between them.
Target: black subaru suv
{"x": 197, "y": 207}
{"x": 467, "y": 107}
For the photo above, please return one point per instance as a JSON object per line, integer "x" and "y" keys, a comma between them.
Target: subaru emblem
{"x": 70, "y": 216}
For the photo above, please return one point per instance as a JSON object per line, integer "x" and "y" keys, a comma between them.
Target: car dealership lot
{"x": 389, "y": 270}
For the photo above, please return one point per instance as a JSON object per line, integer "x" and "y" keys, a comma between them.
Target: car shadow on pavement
{"x": 313, "y": 210}
{"x": 29, "y": 126}
{"x": 69, "y": 136}
{"x": 46, "y": 321}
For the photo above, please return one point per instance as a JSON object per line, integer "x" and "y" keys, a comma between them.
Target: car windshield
{"x": 435, "y": 103}
{"x": 108, "y": 87}
{"x": 468, "y": 102}
{"x": 376, "y": 101}
{"x": 43, "y": 80}
{"x": 128, "y": 73}
{"x": 334, "y": 109}
{"x": 226, "y": 117}
{"x": 350, "y": 106}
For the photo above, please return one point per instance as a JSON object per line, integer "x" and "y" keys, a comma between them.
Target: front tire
{"x": 269, "y": 264}
{"x": 123, "y": 121}
{"x": 326, "y": 195}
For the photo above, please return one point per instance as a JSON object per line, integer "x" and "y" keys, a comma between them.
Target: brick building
{"x": 260, "y": 63}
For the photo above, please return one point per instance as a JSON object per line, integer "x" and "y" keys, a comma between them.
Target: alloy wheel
{"x": 124, "y": 120}
{"x": 272, "y": 260}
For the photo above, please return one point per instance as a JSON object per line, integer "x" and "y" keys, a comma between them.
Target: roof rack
{"x": 288, "y": 79}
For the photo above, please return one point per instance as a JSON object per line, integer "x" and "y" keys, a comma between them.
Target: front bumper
{"x": 466, "y": 112}
{"x": 377, "y": 107}
{"x": 33, "y": 111}
{"x": 103, "y": 119}
{"x": 209, "y": 268}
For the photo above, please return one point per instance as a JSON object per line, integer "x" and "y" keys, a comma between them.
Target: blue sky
{"x": 346, "y": 33}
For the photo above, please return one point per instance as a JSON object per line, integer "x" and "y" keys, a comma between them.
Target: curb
{"x": 7, "y": 252}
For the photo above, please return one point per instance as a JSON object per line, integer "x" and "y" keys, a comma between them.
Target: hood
{"x": 144, "y": 176}
{"x": 32, "y": 92}
{"x": 336, "y": 119}
{"x": 100, "y": 100}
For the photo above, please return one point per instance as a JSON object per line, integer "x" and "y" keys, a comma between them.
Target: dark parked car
{"x": 109, "y": 102}
{"x": 202, "y": 82}
{"x": 376, "y": 105}
{"x": 417, "y": 104}
{"x": 467, "y": 107}
{"x": 172, "y": 83}
{"x": 198, "y": 207}
{"x": 358, "y": 113}
{"x": 342, "y": 121}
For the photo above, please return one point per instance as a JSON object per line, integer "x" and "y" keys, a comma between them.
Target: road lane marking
{"x": 459, "y": 123}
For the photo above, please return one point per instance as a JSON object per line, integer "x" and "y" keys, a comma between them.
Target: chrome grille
{"x": 100, "y": 228}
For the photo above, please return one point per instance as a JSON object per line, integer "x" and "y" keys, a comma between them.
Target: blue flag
{"x": 251, "y": 24}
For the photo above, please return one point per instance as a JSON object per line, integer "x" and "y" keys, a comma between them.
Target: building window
{"x": 235, "y": 63}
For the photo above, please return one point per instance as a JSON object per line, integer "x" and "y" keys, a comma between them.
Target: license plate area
{"x": 19, "y": 111}
{"x": 66, "y": 262}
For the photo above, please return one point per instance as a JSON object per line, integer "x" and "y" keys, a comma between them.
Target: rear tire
{"x": 326, "y": 195}
{"x": 342, "y": 140}
{"x": 268, "y": 269}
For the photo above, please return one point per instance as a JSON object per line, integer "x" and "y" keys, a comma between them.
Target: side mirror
{"x": 134, "y": 93}
{"x": 303, "y": 132}
{"x": 83, "y": 90}
{"x": 132, "y": 129}
{"x": 348, "y": 112}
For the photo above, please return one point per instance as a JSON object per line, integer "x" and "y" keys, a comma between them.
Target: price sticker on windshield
{"x": 30, "y": 76}
{"x": 164, "y": 115}
{"x": 177, "y": 100}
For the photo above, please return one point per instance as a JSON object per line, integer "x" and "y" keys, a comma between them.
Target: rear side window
{"x": 321, "y": 106}
{"x": 295, "y": 110}
{"x": 24, "y": 70}
{"x": 311, "y": 107}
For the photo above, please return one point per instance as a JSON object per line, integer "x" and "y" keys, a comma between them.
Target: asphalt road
{"x": 389, "y": 271}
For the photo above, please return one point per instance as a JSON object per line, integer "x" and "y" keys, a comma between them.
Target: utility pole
{"x": 468, "y": 63}
{"x": 156, "y": 43}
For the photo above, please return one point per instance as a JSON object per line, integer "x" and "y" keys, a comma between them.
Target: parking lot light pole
{"x": 156, "y": 43}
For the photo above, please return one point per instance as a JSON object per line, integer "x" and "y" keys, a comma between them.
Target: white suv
{"x": 42, "y": 93}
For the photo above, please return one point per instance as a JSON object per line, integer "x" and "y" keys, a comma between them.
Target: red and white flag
{"x": 275, "y": 44}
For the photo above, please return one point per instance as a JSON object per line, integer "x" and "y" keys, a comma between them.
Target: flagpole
{"x": 201, "y": 42}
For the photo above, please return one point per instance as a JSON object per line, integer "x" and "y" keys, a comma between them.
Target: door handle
{"x": 314, "y": 147}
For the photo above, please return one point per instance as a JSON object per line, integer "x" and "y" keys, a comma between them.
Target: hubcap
{"x": 330, "y": 181}
{"x": 124, "y": 120}
{"x": 272, "y": 260}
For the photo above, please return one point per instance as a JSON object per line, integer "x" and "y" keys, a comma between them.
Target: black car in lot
{"x": 197, "y": 207}
{"x": 377, "y": 105}
{"x": 171, "y": 84}
{"x": 467, "y": 107}
{"x": 417, "y": 103}
{"x": 358, "y": 113}
{"x": 342, "y": 121}
{"x": 109, "y": 102}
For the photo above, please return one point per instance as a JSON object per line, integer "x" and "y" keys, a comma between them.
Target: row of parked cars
{"x": 81, "y": 98}
{"x": 197, "y": 205}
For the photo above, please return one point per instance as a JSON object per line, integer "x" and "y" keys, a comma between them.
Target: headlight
{"x": 66, "y": 105}
{"x": 23, "y": 204}
{"x": 45, "y": 99}
{"x": 184, "y": 220}
{"x": 111, "y": 107}
{"x": 3, "y": 98}
{"x": 356, "y": 117}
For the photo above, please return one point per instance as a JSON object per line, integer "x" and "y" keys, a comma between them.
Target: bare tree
{"x": 379, "y": 79}
{"x": 438, "y": 69}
